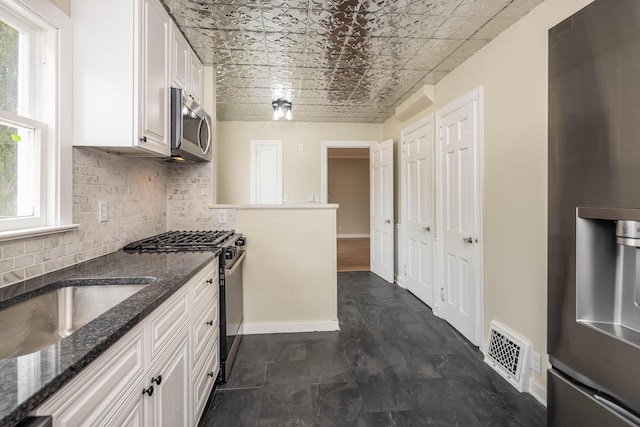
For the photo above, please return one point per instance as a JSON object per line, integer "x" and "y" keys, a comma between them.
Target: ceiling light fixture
{"x": 281, "y": 109}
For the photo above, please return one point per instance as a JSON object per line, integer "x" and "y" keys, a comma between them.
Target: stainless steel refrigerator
{"x": 594, "y": 217}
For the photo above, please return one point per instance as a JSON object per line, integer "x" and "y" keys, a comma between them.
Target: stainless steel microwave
{"x": 190, "y": 129}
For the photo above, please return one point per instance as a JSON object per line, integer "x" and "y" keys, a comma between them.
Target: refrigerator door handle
{"x": 617, "y": 408}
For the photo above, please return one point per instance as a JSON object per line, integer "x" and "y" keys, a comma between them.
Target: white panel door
{"x": 381, "y": 182}
{"x": 417, "y": 145}
{"x": 458, "y": 131}
{"x": 266, "y": 172}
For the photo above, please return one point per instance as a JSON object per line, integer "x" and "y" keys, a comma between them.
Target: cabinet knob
{"x": 157, "y": 380}
{"x": 467, "y": 240}
{"x": 148, "y": 391}
{"x": 210, "y": 281}
{"x": 210, "y": 374}
{"x": 427, "y": 228}
{"x": 210, "y": 323}
{"x": 143, "y": 139}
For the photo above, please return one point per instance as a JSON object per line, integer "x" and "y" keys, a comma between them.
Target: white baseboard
{"x": 538, "y": 392}
{"x": 353, "y": 236}
{"x": 278, "y": 328}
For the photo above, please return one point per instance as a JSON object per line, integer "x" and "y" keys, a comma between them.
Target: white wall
{"x": 301, "y": 169}
{"x": 290, "y": 281}
{"x": 513, "y": 72}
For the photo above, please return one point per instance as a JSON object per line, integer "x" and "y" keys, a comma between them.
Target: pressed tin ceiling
{"x": 336, "y": 60}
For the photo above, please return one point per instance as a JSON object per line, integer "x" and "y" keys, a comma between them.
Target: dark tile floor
{"x": 393, "y": 363}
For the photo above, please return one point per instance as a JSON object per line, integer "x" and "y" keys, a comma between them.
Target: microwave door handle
{"x": 204, "y": 150}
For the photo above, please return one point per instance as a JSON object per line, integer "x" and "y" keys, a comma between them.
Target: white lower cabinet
{"x": 153, "y": 376}
{"x": 169, "y": 404}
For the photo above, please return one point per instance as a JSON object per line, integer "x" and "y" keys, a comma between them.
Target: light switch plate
{"x": 222, "y": 216}
{"x": 103, "y": 211}
{"x": 316, "y": 197}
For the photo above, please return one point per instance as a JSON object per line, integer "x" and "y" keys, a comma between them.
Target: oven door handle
{"x": 236, "y": 264}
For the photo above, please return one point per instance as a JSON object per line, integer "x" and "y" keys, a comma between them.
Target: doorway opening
{"x": 346, "y": 183}
{"x": 348, "y": 186}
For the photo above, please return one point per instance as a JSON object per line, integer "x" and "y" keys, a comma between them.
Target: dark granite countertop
{"x": 22, "y": 390}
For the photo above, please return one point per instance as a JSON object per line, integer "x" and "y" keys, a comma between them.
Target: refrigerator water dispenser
{"x": 608, "y": 275}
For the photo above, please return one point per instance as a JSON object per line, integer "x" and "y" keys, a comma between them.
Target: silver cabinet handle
{"x": 427, "y": 228}
{"x": 468, "y": 240}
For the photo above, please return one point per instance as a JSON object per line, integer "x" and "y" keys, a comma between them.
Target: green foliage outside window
{"x": 9, "y": 62}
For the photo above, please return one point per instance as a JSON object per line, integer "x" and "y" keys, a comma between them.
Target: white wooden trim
{"x": 353, "y": 236}
{"x": 255, "y": 143}
{"x": 477, "y": 96}
{"x": 538, "y": 392}
{"x": 400, "y": 253}
{"x": 324, "y": 154}
{"x": 36, "y": 231}
{"x": 289, "y": 327}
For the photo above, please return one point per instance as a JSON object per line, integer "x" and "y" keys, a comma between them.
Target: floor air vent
{"x": 508, "y": 354}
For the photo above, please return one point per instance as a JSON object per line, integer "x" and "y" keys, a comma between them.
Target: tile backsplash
{"x": 144, "y": 196}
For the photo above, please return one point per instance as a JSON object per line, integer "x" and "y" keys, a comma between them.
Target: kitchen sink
{"x": 47, "y": 318}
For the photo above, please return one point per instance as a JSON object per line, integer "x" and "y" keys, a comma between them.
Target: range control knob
{"x": 241, "y": 241}
{"x": 230, "y": 252}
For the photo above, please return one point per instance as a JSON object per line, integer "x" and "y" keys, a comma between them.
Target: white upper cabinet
{"x": 195, "y": 80}
{"x": 121, "y": 66}
{"x": 186, "y": 68}
{"x": 180, "y": 54}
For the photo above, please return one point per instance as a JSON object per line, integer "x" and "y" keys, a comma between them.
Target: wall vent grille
{"x": 508, "y": 354}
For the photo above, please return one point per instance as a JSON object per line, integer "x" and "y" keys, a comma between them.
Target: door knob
{"x": 427, "y": 228}
{"x": 468, "y": 240}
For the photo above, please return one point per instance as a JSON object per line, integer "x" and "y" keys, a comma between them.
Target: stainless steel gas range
{"x": 232, "y": 245}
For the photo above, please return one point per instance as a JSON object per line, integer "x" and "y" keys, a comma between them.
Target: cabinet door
{"x": 180, "y": 58}
{"x": 195, "y": 80}
{"x": 153, "y": 108}
{"x": 170, "y": 404}
{"x": 131, "y": 414}
{"x": 89, "y": 399}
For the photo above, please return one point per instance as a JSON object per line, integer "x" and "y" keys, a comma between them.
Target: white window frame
{"x": 52, "y": 119}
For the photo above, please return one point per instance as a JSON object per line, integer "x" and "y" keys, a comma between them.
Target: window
{"x": 34, "y": 188}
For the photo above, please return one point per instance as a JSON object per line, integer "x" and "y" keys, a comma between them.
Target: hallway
{"x": 392, "y": 364}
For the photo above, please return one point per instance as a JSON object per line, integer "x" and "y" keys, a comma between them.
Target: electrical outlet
{"x": 535, "y": 361}
{"x": 285, "y": 198}
{"x": 301, "y": 147}
{"x": 222, "y": 216}
{"x": 339, "y": 228}
{"x": 316, "y": 197}
{"x": 103, "y": 211}
{"x": 310, "y": 197}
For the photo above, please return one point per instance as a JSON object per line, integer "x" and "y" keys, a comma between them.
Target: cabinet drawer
{"x": 204, "y": 327}
{"x": 167, "y": 319}
{"x": 204, "y": 378}
{"x": 205, "y": 282}
{"x": 89, "y": 398}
